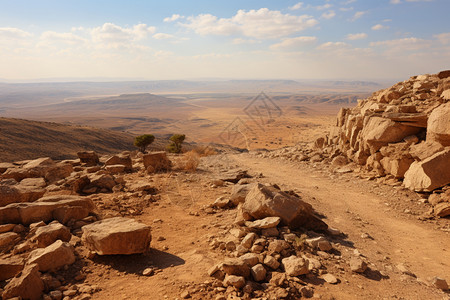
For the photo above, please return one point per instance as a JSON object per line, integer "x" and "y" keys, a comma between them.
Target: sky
{"x": 205, "y": 39}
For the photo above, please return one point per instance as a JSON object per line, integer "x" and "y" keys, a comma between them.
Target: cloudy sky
{"x": 257, "y": 39}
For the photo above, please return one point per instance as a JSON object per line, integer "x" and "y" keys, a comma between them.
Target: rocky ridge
{"x": 400, "y": 134}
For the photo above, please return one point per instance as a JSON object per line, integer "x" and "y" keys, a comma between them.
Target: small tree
{"x": 175, "y": 143}
{"x": 143, "y": 141}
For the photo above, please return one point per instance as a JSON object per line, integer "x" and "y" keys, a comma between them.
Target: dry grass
{"x": 189, "y": 161}
{"x": 204, "y": 151}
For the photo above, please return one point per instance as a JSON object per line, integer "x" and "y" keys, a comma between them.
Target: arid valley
{"x": 225, "y": 150}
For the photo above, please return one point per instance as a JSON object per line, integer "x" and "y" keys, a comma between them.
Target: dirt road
{"x": 363, "y": 210}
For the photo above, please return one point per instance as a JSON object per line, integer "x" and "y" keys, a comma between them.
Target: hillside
{"x": 24, "y": 139}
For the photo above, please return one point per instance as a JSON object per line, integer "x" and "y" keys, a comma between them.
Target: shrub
{"x": 143, "y": 141}
{"x": 175, "y": 143}
{"x": 204, "y": 151}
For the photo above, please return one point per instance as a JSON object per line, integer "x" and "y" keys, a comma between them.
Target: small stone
{"x": 357, "y": 265}
{"x": 250, "y": 259}
{"x": 440, "y": 283}
{"x": 324, "y": 245}
{"x": 258, "y": 272}
{"x": 148, "y": 272}
{"x": 185, "y": 295}
{"x": 247, "y": 241}
{"x": 402, "y": 268}
{"x": 233, "y": 280}
{"x": 271, "y": 262}
{"x": 230, "y": 246}
{"x": 330, "y": 278}
{"x": 270, "y": 232}
{"x": 268, "y": 222}
{"x": 295, "y": 266}
{"x": 56, "y": 295}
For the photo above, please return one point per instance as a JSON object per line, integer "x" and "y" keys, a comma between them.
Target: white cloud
{"x": 11, "y": 33}
{"x": 358, "y": 15}
{"x": 356, "y": 36}
{"x": 323, "y": 7}
{"x": 402, "y": 46}
{"x": 261, "y": 24}
{"x": 239, "y": 41}
{"x": 173, "y": 18}
{"x": 346, "y": 8}
{"x": 444, "y": 38}
{"x": 292, "y": 43}
{"x": 400, "y": 1}
{"x": 162, "y": 36}
{"x": 379, "y": 27}
{"x": 65, "y": 37}
{"x": 332, "y": 45}
{"x": 328, "y": 15}
{"x": 111, "y": 35}
{"x": 296, "y": 6}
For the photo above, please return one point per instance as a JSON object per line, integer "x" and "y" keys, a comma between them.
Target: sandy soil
{"x": 182, "y": 227}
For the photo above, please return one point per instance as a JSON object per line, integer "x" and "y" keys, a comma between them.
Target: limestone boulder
{"x": 42, "y": 209}
{"x": 17, "y": 193}
{"x": 379, "y": 132}
{"x": 438, "y": 128}
{"x": 239, "y": 192}
{"x": 52, "y": 257}
{"x": 295, "y": 266}
{"x": 396, "y": 166}
{"x": 429, "y": 174}
{"x": 58, "y": 172}
{"x": 117, "y": 236}
{"x": 28, "y": 285}
{"x": 442, "y": 209}
{"x": 156, "y": 161}
{"x": 102, "y": 181}
{"x": 267, "y": 201}
{"x": 47, "y": 235}
{"x": 425, "y": 149}
{"x": 89, "y": 158}
{"x": 120, "y": 159}
{"x": 10, "y": 267}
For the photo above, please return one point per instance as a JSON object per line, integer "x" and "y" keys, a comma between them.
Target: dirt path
{"x": 181, "y": 230}
{"x": 350, "y": 207}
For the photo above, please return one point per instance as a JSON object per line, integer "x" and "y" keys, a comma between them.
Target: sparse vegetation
{"x": 189, "y": 161}
{"x": 143, "y": 141}
{"x": 176, "y": 142}
{"x": 204, "y": 151}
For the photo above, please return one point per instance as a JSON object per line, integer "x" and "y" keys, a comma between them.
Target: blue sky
{"x": 320, "y": 39}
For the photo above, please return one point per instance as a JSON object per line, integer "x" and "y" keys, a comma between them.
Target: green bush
{"x": 143, "y": 141}
{"x": 175, "y": 143}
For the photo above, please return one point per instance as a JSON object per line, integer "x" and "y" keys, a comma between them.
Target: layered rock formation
{"x": 403, "y": 131}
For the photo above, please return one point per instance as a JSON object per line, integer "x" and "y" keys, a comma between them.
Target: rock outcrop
{"x": 117, "y": 236}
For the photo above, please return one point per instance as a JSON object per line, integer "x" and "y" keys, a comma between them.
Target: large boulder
{"x": 28, "y": 285}
{"x": 439, "y": 125}
{"x": 429, "y": 174}
{"x": 102, "y": 181}
{"x": 17, "y": 193}
{"x": 89, "y": 158}
{"x": 52, "y": 257}
{"x": 10, "y": 267}
{"x": 47, "y": 235}
{"x": 379, "y": 132}
{"x": 267, "y": 201}
{"x": 42, "y": 209}
{"x": 156, "y": 161}
{"x": 117, "y": 236}
{"x": 120, "y": 159}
